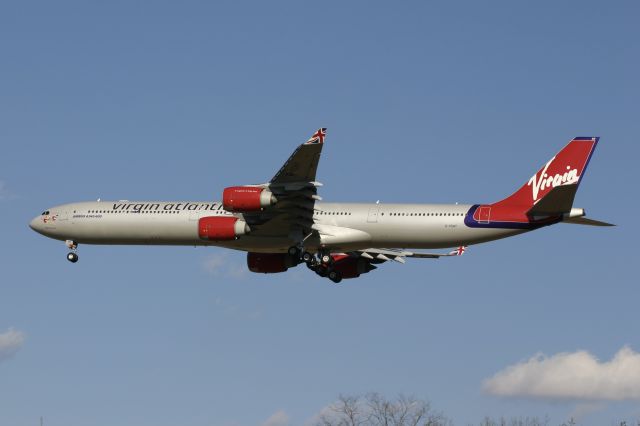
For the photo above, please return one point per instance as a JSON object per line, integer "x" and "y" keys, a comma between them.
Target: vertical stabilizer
{"x": 547, "y": 195}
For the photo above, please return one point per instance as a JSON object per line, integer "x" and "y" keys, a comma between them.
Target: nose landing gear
{"x": 72, "y": 256}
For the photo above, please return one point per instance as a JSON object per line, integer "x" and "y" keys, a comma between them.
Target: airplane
{"x": 283, "y": 223}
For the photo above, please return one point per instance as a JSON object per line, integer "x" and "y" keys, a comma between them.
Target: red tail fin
{"x": 564, "y": 170}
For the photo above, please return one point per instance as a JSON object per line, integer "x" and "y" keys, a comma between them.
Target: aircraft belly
{"x": 434, "y": 235}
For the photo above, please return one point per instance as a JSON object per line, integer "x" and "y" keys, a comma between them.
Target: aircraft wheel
{"x": 322, "y": 271}
{"x": 307, "y": 257}
{"x": 326, "y": 259}
{"x": 335, "y": 276}
{"x": 72, "y": 257}
{"x": 312, "y": 266}
{"x": 293, "y": 251}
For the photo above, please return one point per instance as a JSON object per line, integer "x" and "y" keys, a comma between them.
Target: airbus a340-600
{"x": 282, "y": 223}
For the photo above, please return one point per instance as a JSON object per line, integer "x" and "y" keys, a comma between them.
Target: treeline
{"x": 374, "y": 409}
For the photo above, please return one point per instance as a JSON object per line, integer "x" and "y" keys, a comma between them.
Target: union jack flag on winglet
{"x": 318, "y": 137}
{"x": 458, "y": 252}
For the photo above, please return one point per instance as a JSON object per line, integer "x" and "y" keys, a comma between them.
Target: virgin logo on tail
{"x": 541, "y": 181}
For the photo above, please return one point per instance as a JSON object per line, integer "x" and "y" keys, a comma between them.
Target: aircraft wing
{"x": 296, "y": 189}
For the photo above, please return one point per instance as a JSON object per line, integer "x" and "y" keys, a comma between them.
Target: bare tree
{"x": 516, "y": 421}
{"x": 346, "y": 411}
{"x": 375, "y": 410}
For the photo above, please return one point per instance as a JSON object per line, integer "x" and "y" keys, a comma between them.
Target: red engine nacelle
{"x": 247, "y": 198}
{"x": 221, "y": 228}
{"x": 351, "y": 267}
{"x": 269, "y": 263}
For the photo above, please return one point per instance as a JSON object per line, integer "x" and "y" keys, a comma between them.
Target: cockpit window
{"x": 45, "y": 213}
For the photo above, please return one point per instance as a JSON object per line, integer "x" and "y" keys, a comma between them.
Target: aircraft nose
{"x": 35, "y": 224}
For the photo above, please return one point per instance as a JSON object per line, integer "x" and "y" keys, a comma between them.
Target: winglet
{"x": 302, "y": 165}
{"x": 317, "y": 137}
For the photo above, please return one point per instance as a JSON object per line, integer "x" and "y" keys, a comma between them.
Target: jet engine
{"x": 221, "y": 228}
{"x": 351, "y": 267}
{"x": 269, "y": 263}
{"x": 247, "y": 198}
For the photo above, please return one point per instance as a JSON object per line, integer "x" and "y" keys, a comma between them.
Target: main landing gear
{"x": 321, "y": 263}
{"x": 72, "y": 256}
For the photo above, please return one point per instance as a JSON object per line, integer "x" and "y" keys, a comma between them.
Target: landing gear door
{"x": 373, "y": 214}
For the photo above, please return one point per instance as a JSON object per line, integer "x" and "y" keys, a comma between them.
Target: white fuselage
{"x": 345, "y": 226}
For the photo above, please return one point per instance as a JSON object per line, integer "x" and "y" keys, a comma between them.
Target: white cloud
{"x": 571, "y": 376}
{"x": 221, "y": 265}
{"x": 10, "y": 342}
{"x": 279, "y": 418}
{"x": 327, "y": 411}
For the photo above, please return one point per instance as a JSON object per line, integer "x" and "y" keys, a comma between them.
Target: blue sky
{"x": 424, "y": 102}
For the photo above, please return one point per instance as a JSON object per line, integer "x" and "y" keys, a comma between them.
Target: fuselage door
{"x": 484, "y": 214}
{"x": 373, "y": 214}
{"x": 63, "y": 216}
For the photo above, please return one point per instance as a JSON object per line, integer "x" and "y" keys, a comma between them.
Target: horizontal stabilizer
{"x": 587, "y": 221}
{"x": 457, "y": 252}
{"x": 399, "y": 255}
